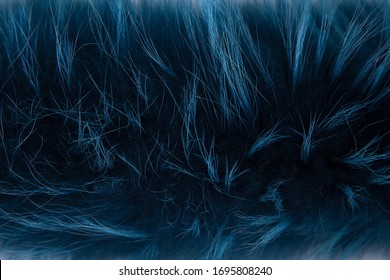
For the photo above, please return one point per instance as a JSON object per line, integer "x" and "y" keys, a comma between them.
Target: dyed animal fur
{"x": 194, "y": 129}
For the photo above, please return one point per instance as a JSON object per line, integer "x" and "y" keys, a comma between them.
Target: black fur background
{"x": 194, "y": 129}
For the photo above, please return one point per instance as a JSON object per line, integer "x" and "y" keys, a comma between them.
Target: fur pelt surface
{"x": 194, "y": 129}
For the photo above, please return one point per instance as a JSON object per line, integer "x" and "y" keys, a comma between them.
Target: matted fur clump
{"x": 194, "y": 129}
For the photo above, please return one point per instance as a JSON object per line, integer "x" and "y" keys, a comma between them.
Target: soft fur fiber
{"x": 194, "y": 129}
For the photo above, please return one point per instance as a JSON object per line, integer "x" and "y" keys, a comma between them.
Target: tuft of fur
{"x": 194, "y": 129}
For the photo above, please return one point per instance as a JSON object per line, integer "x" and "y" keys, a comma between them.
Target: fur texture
{"x": 194, "y": 129}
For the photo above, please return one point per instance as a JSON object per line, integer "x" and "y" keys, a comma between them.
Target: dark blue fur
{"x": 194, "y": 129}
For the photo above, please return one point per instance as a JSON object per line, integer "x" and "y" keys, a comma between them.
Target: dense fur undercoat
{"x": 183, "y": 129}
